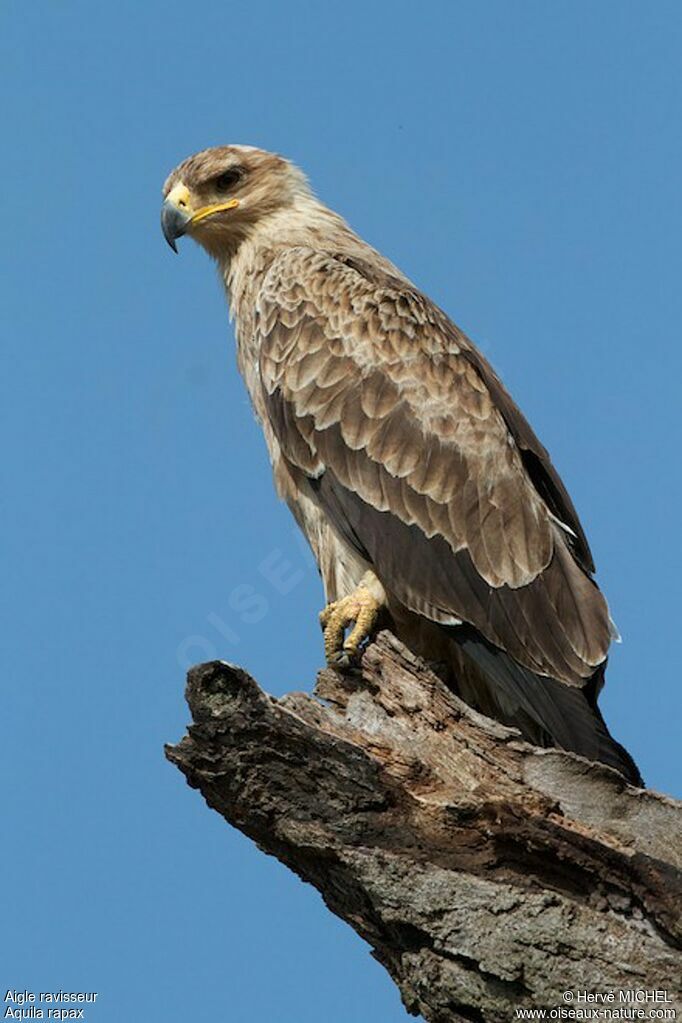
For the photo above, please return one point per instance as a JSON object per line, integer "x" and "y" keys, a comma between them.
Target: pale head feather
{"x": 273, "y": 194}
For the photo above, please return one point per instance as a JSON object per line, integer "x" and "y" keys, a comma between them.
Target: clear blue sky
{"x": 521, "y": 161}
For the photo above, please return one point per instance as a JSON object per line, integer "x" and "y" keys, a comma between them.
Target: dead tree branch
{"x": 486, "y": 874}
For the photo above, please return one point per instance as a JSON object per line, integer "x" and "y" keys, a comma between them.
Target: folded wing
{"x": 422, "y": 461}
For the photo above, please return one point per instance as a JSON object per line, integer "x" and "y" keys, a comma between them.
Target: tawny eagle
{"x": 422, "y": 489}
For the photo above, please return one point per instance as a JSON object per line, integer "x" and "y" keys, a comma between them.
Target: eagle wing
{"x": 423, "y": 463}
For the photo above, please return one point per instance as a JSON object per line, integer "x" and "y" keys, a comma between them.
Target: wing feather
{"x": 420, "y": 457}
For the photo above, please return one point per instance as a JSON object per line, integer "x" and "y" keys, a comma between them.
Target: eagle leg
{"x": 358, "y": 611}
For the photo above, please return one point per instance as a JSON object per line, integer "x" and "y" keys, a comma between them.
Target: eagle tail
{"x": 546, "y": 712}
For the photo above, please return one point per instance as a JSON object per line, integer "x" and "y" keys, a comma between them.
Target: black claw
{"x": 345, "y": 660}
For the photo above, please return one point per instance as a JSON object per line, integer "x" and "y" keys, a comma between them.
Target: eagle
{"x": 427, "y": 499}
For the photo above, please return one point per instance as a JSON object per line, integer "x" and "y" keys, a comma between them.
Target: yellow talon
{"x": 360, "y": 610}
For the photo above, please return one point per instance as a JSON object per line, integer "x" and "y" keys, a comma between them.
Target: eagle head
{"x": 218, "y": 195}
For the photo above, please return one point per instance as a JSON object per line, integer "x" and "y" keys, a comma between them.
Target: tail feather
{"x": 546, "y": 712}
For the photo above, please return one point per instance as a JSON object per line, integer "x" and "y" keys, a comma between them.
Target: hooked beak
{"x": 174, "y": 222}
{"x": 178, "y": 215}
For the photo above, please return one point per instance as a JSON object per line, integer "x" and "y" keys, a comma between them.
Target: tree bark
{"x": 487, "y": 875}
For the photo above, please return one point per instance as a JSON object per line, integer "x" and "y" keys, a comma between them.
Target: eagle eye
{"x": 228, "y": 179}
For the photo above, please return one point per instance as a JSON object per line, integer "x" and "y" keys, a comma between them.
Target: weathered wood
{"x": 486, "y": 874}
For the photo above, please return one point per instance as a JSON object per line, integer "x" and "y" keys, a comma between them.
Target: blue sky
{"x": 522, "y": 163}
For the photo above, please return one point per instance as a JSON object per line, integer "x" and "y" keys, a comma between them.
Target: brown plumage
{"x": 401, "y": 454}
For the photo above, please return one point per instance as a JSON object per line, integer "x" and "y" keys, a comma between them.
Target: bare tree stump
{"x": 486, "y": 874}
